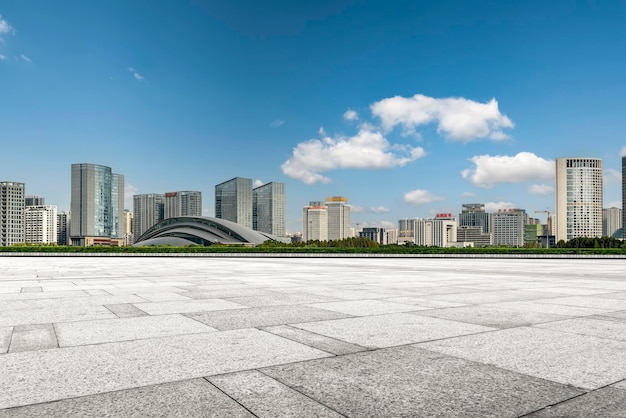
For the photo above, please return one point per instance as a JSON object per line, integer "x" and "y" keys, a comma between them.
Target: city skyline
{"x": 409, "y": 110}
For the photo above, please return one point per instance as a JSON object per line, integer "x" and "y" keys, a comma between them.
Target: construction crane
{"x": 548, "y": 226}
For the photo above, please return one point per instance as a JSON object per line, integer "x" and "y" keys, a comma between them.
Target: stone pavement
{"x": 327, "y": 337}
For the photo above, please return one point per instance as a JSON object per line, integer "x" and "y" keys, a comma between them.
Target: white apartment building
{"x": 437, "y": 232}
{"x": 40, "y": 224}
{"x": 338, "y": 218}
{"x": 508, "y": 227}
{"x": 315, "y": 222}
{"x": 11, "y": 213}
{"x": 611, "y": 221}
{"x": 578, "y": 198}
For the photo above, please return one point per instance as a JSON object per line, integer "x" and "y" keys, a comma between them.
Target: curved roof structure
{"x": 201, "y": 230}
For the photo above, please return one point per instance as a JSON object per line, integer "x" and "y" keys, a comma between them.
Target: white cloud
{"x": 129, "y": 192}
{"x": 277, "y": 123}
{"x": 495, "y": 206}
{"x": 612, "y": 176}
{"x": 468, "y": 194}
{"x": 523, "y": 167}
{"x": 136, "y": 74}
{"x": 421, "y": 197}
{"x": 457, "y": 118}
{"x": 258, "y": 183}
{"x": 380, "y": 209}
{"x": 540, "y": 189}
{"x": 25, "y": 58}
{"x": 351, "y": 115}
{"x": 357, "y": 209}
{"x": 368, "y": 149}
{"x": 321, "y": 131}
{"x": 623, "y": 152}
{"x": 613, "y": 204}
{"x": 5, "y": 28}
{"x": 2, "y": 57}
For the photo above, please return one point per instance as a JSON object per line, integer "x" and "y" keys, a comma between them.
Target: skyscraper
{"x": 34, "y": 201}
{"x": 148, "y": 210}
{"x": 40, "y": 224}
{"x": 315, "y": 222}
{"x": 268, "y": 209}
{"x": 11, "y": 213}
{"x": 508, "y": 227}
{"x": 578, "y": 198}
{"x": 233, "y": 201}
{"x": 183, "y": 203}
{"x": 63, "y": 223}
{"x": 611, "y": 222}
{"x": 473, "y": 214}
{"x": 338, "y": 218}
{"x": 97, "y": 204}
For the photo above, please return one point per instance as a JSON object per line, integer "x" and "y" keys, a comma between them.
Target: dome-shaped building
{"x": 201, "y": 230}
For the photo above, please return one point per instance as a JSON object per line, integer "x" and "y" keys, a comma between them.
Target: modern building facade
{"x": 63, "y": 228}
{"x": 97, "y": 205}
{"x": 148, "y": 210}
{"x": 473, "y": 214}
{"x": 532, "y": 231}
{"x": 183, "y": 203}
{"x": 376, "y": 234}
{"x": 508, "y": 227}
{"x": 624, "y": 197}
{"x": 11, "y": 212}
{"x": 128, "y": 234}
{"x": 438, "y": 232}
{"x": 40, "y": 224}
{"x": 268, "y": 209}
{"x": 474, "y": 235}
{"x": 34, "y": 201}
{"x": 338, "y": 218}
{"x": 578, "y": 198}
{"x": 612, "y": 222}
{"x": 406, "y": 231}
{"x": 233, "y": 201}
{"x": 315, "y": 222}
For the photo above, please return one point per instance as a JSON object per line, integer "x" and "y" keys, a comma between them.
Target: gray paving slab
{"x": 42, "y": 295}
{"x": 615, "y": 295}
{"x": 404, "y": 381}
{"x": 5, "y": 338}
{"x": 365, "y": 307}
{"x": 32, "y": 289}
{"x": 188, "y": 398}
{"x": 424, "y": 303}
{"x": 266, "y": 397}
{"x": 548, "y": 308}
{"x": 164, "y": 296}
{"x": 311, "y": 339}
{"x": 390, "y": 329}
{"x": 491, "y": 317}
{"x": 54, "y": 315}
{"x": 125, "y": 310}
{"x": 586, "y": 326}
{"x": 33, "y": 337}
{"x": 493, "y": 296}
{"x": 578, "y": 360}
{"x": 589, "y": 302}
{"x": 125, "y": 329}
{"x": 229, "y": 292}
{"x": 606, "y": 403}
{"x": 14, "y": 305}
{"x": 263, "y": 316}
{"x": 620, "y": 385}
{"x": 277, "y": 299}
{"x": 50, "y": 375}
{"x": 163, "y": 308}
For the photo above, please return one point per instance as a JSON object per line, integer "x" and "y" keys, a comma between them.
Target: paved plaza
{"x": 312, "y": 337}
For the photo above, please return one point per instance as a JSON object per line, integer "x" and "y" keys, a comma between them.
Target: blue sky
{"x": 407, "y": 108}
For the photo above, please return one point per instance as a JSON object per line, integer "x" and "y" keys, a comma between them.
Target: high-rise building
{"x": 11, "y": 213}
{"x": 578, "y": 198}
{"x": 338, "y": 218}
{"x": 437, "y": 232}
{"x": 148, "y": 210}
{"x": 532, "y": 231}
{"x": 376, "y": 234}
{"x": 611, "y": 222}
{"x": 233, "y": 201}
{"x": 624, "y": 197}
{"x": 473, "y": 214}
{"x": 315, "y": 222}
{"x": 34, "y": 201}
{"x": 97, "y": 205}
{"x": 128, "y": 233}
{"x": 183, "y": 203}
{"x": 40, "y": 224}
{"x": 473, "y": 234}
{"x": 268, "y": 209}
{"x": 508, "y": 227}
{"x": 406, "y": 231}
{"x": 63, "y": 228}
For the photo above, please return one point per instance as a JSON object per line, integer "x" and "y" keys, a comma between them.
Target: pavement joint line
{"x": 228, "y": 395}
{"x": 312, "y": 346}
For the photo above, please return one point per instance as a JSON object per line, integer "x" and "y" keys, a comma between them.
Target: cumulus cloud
{"x": 357, "y": 209}
{"x": 380, "y": 209}
{"x": 368, "y": 149}
{"x": 135, "y": 74}
{"x": 258, "y": 183}
{"x": 351, "y": 115}
{"x": 623, "y": 152}
{"x": 540, "y": 189}
{"x": 321, "y": 131}
{"x": 277, "y": 123}
{"x": 421, "y": 197}
{"x": 25, "y": 58}
{"x": 523, "y": 167}
{"x": 457, "y": 118}
{"x": 5, "y": 27}
{"x": 495, "y": 206}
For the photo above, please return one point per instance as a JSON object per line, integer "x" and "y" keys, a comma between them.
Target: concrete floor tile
{"x": 33, "y": 337}
{"x": 390, "y": 330}
{"x": 277, "y": 299}
{"x": 606, "y": 403}
{"x": 547, "y": 308}
{"x": 620, "y": 385}
{"x": 492, "y": 296}
{"x": 125, "y": 329}
{"x": 32, "y": 289}
{"x": 589, "y": 302}
{"x": 5, "y": 339}
{"x": 586, "y": 326}
{"x": 311, "y": 339}
{"x": 424, "y": 303}
{"x": 365, "y": 307}
{"x": 54, "y": 315}
{"x": 266, "y": 397}
{"x": 188, "y": 398}
{"x": 49, "y": 375}
{"x": 263, "y": 316}
{"x": 99, "y": 300}
{"x": 405, "y": 381}
{"x": 125, "y": 310}
{"x": 163, "y": 308}
{"x": 578, "y": 360}
{"x": 491, "y": 317}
